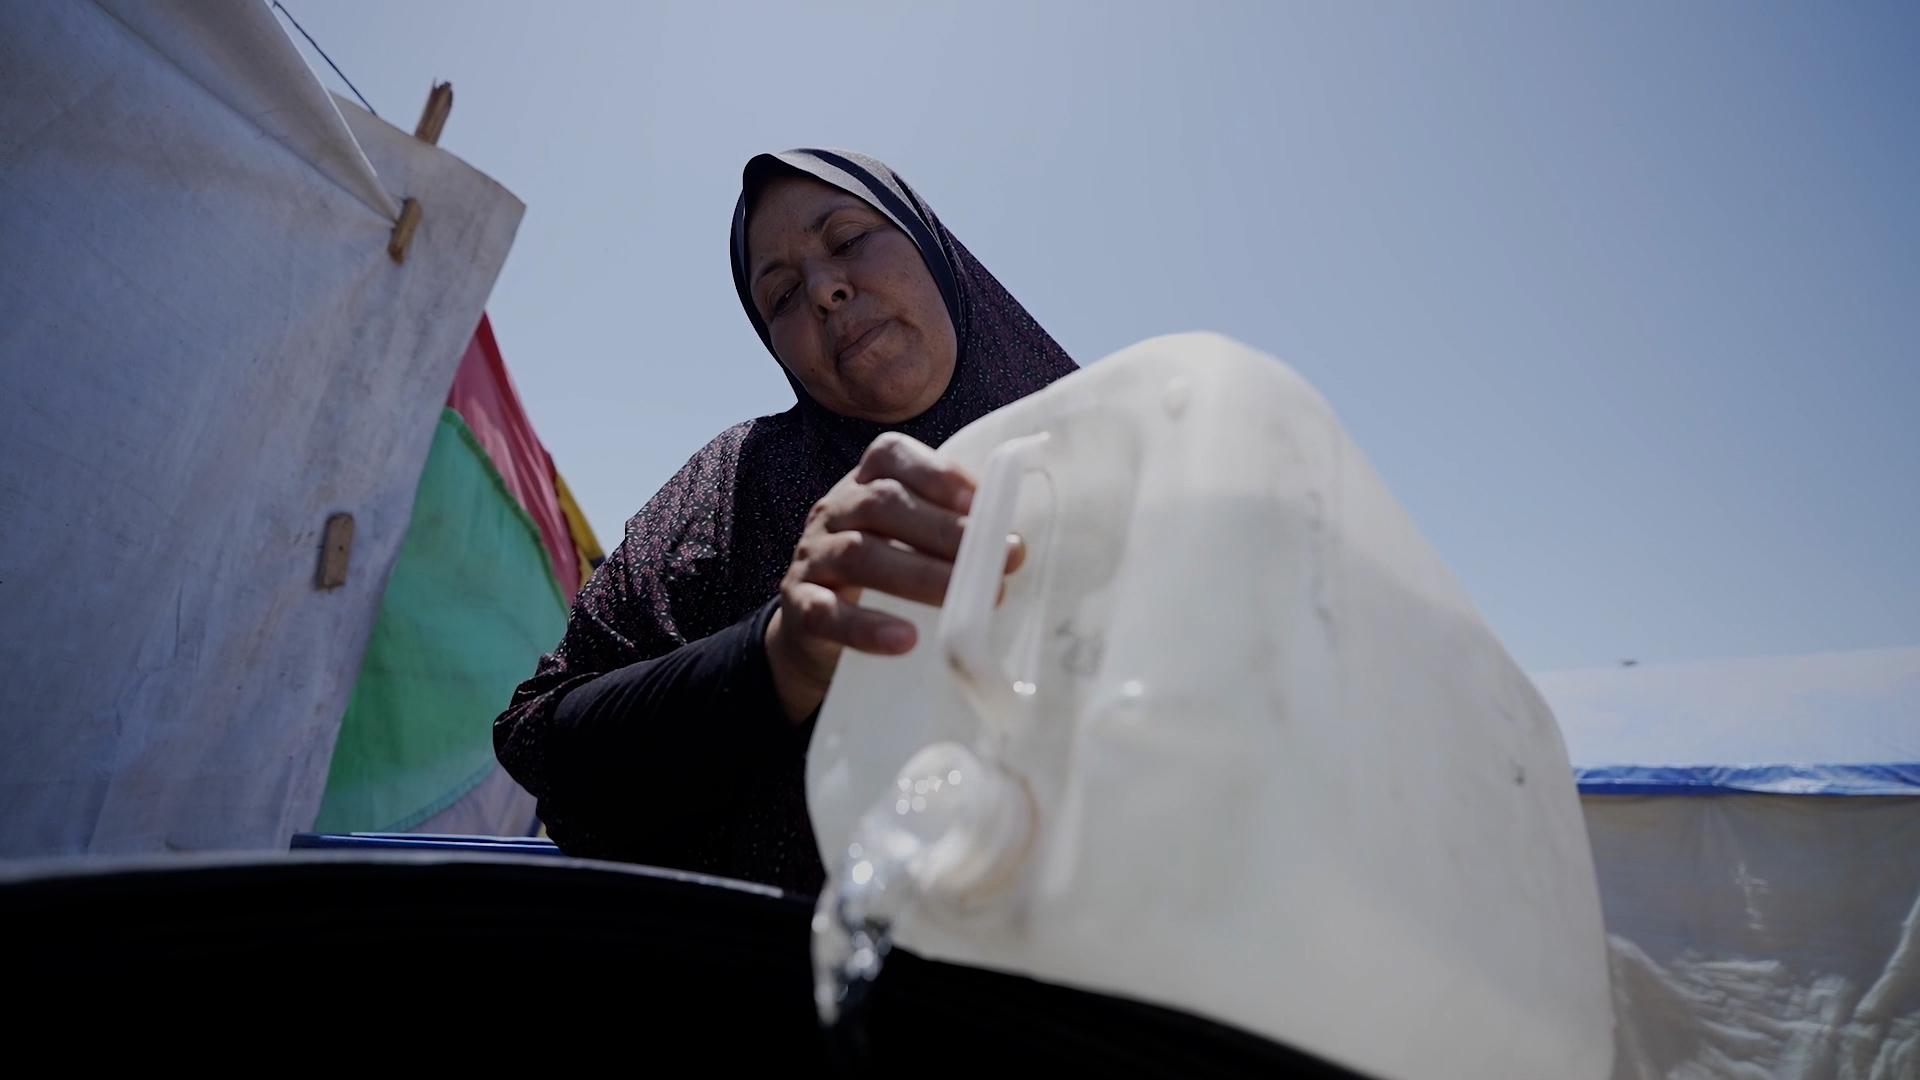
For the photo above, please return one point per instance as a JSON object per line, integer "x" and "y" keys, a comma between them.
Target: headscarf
{"x": 1002, "y": 354}
{"x": 712, "y": 545}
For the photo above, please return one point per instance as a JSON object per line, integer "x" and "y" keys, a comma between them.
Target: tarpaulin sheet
{"x": 484, "y": 396}
{"x": 470, "y": 606}
{"x": 1762, "y": 935}
{"x": 205, "y": 351}
{"x": 586, "y": 546}
{"x": 1756, "y": 835}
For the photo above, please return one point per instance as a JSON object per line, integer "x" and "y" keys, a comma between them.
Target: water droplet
{"x": 919, "y": 787}
{"x": 953, "y": 777}
{"x": 900, "y": 807}
{"x": 904, "y": 783}
{"x": 854, "y": 851}
{"x": 1132, "y": 688}
{"x": 919, "y": 802}
{"x": 862, "y": 872}
{"x": 1024, "y": 689}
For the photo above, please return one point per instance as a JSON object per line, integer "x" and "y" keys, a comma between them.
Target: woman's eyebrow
{"x": 819, "y": 224}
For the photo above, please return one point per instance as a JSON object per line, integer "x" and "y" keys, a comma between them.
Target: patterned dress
{"x": 651, "y": 733}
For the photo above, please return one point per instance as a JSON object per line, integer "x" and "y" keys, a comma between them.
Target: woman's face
{"x": 848, "y": 301}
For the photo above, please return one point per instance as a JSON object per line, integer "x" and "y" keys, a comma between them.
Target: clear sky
{"x": 1623, "y": 301}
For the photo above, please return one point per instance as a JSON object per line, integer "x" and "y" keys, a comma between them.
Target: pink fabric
{"x": 484, "y": 397}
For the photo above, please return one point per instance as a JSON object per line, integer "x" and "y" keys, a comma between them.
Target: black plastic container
{"x": 517, "y": 956}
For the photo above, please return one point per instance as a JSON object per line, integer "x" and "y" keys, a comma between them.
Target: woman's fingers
{"x": 871, "y": 528}
{"x": 825, "y": 601}
{"x": 889, "y": 508}
{"x": 824, "y": 613}
{"x": 893, "y": 525}
{"x": 830, "y": 573}
{"x": 932, "y": 475}
{"x": 868, "y": 561}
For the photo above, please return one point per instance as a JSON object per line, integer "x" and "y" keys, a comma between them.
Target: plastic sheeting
{"x": 1756, "y": 833}
{"x": 465, "y": 615}
{"x": 484, "y": 396}
{"x": 1762, "y": 935}
{"x": 497, "y": 806}
{"x": 469, "y": 608}
{"x": 205, "y": 350}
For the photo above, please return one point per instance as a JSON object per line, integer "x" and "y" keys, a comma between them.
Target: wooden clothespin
{"x": 403, "y": 227}
{"x": 433, "y": 118}
{"x": 336, "y": 550}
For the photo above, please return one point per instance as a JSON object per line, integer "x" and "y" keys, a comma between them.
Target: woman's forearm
{"x": 649, "y": 759}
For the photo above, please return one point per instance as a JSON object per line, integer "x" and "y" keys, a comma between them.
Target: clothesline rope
{"x": 323, "y": 55}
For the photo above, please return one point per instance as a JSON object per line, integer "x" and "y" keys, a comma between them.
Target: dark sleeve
{"x": 651, "y": 598}
{"x": 655, "y": 754}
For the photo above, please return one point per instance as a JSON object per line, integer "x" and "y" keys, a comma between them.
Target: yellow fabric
{"x": 584, "y": 544}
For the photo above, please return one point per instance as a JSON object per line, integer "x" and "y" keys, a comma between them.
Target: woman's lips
{"x": 857, "y": 338}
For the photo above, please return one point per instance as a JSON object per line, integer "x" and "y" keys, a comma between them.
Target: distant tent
{"x": 229, "y": 311}
{"x": 1756, "y": 830}
{"x": 491, "y": 561}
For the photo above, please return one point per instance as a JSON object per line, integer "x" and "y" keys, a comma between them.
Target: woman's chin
{"x": 893, "y": 389}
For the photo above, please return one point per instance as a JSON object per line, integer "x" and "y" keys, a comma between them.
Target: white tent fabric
{"x": 1756, "y": 832}
{"x": 237, "y": 53}
{"x": 205, "y": 351}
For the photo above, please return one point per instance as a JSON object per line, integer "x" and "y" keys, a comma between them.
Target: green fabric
{"x": 469, "y": 609}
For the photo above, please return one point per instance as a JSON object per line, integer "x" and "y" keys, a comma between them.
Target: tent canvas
{"x": 206, "y": 351}
{"x": 1756, "y": 834}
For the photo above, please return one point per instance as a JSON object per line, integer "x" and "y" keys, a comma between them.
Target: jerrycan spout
{"x": 950, "y": 832}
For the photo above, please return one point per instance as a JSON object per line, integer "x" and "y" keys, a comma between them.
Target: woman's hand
{"x": 892, "y": 524}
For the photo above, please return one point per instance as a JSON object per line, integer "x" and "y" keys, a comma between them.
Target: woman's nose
{"x": 829, "y": 288}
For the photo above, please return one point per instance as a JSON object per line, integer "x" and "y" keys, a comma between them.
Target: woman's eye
{"x": 848, "y": 244}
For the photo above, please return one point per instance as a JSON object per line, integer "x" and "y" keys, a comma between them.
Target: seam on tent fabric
{"x": 448, "y": 413}
{"x": 460, "y": 791}
{"x": 387, "y": 214}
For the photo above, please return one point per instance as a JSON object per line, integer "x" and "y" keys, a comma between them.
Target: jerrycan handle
{"x": 977, "y": 570}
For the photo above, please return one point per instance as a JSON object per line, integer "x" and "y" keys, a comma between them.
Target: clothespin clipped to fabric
{"x": 336, "y": 550}
{"x": 433, "y": 118}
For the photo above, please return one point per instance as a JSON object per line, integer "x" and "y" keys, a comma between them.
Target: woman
{"x": 670, "y": 725}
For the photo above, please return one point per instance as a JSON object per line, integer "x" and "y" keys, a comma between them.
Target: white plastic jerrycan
{"x": 1234, "y": 742}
